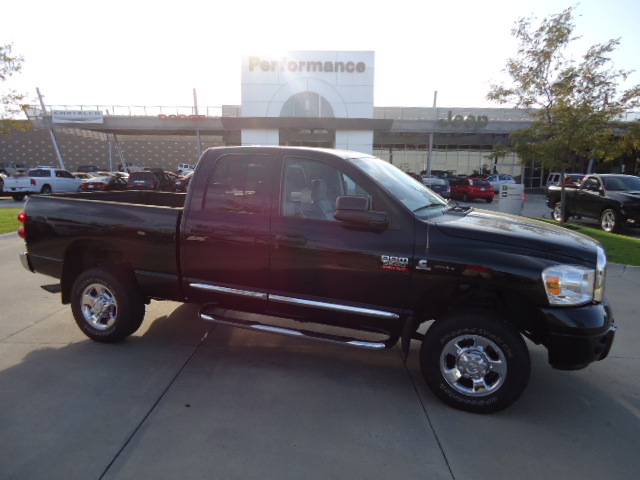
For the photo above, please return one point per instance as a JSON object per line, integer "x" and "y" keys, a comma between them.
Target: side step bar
{"x": 306, "y": 334}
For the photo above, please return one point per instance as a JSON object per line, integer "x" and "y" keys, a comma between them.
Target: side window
{"x": 238, "y": 184}
{"x": 592, "y": 184}
{"x": 311, "y": 188}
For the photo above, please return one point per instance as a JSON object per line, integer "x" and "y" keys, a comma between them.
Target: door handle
{"x": 200, "y": 229}
{"x": 297, "y": 240}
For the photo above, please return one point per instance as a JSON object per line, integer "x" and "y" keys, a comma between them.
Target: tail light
{"x": 154, "y": 185}
{"x": 33, "y": 181}
{"x": 22, "y": 218}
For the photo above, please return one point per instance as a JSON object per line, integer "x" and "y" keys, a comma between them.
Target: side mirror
{"x": 354, "y": 211}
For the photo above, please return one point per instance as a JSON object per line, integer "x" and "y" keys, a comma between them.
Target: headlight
{"x": 569, "y": 284}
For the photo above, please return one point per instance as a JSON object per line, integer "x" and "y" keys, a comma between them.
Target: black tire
{"x": 18, "y": 197}
{"x": 557, "y": 213}
{"x": 106, "y": 305}
{"x": 46, "y": 190}
{"x": 465, "y": 197}
{"x": 475, "y": 362}
{"x": 610, "y": 221}
{"x": 489, "y": 200}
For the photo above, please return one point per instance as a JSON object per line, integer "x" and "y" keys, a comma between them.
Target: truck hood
{"x": 627, "y": 195}
{"x": 520, "y": 232}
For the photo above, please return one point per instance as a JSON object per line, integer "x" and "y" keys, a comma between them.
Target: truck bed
{"x": 145, "y": 232}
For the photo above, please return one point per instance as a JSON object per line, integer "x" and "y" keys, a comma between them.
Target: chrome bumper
{"x": 26, "y": 262}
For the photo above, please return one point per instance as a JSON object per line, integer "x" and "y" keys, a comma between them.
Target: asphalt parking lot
{"x": 186, "y": 399}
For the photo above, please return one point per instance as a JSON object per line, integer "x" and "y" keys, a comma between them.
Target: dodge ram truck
{"x": 43, "y": 180}
{"x": 344, "y": 248}
{"x": 612, "y": 199}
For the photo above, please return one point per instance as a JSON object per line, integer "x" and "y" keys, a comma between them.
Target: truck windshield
{"x": 413, "y": 194}
{"x": 622, "y": 183}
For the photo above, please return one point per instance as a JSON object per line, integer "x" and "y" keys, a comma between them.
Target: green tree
{"x": 575, "y": 106}
{"x": 12, "y": 101}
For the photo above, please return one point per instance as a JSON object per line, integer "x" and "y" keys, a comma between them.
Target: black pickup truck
{"x": 613, "y": 199}
{"x": 331, "y": 242}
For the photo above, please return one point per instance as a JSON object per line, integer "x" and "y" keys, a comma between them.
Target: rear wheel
{"x": 489, "y": 200}
{"x": 557, "y": 213}
{"x": 465, "y": 197}
{"x": 46, "y": 190}
{"x": 106, "y": 305}
{"x": 610, "y": 221}
{"x": 475, "y": 362}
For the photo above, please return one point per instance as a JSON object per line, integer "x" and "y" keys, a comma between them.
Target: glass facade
{"x": 455, "y": 159}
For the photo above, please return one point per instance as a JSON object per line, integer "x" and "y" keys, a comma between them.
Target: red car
{"x": 467, "y": 189}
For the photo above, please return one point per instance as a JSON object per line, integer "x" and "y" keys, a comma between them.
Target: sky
{"x": 156, "y": 53}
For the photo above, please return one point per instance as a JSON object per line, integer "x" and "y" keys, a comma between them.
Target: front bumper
{"x": 579, "y": 336}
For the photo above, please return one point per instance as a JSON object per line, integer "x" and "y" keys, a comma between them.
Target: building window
{"x": 307, "y": 104}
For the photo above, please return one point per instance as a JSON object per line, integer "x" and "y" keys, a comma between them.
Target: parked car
{"x": 570, "y": 178}
{"x": 438, "y": 185}
{"x": 2, "y": 177}
{"x": 499, "y": 179}
{"x": 88, "y": 168}
{"x": 339, "y": 242}
{"x": 185, "y": 168}
{"x": 150, "y": 181}
{"x": 83, "y": 175}
{"x": 182, "y": 183}
{"x": 9, "y": 168}
{"x": 467, "y": 189}
{"x": 103, "y": 183}
{"x": 130, "y": 167}
{"x": 613, "y": 199}
{"x": 41, "y": 180}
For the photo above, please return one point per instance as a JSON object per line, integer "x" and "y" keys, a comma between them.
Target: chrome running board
{"x": 305, "y": 334}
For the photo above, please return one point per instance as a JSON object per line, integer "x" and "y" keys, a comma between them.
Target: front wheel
{"x": 106, "y": 305}
{"x": 474, "y": 362}
{"x": 489, "y": 200}
{"x": 610, "y": 221}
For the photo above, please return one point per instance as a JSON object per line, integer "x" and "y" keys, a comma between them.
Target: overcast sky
{"x": 155, "y": 53}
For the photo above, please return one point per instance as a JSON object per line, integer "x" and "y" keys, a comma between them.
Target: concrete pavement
{"x": 186, "y": 399}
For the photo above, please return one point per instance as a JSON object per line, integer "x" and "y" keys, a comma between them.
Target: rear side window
{"x": 239, "y": 184}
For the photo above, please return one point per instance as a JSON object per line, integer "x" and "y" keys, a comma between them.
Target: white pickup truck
{"x": 41, "y": 180}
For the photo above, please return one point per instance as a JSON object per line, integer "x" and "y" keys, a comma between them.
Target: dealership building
{"x": 303, "y": 98}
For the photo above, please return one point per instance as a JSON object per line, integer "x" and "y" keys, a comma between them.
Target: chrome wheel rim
{"x": 608, "y": 221}
{"x": 473, "y": 365}
{"x": 557, "y": 212}
{"x": 99, "y": 306}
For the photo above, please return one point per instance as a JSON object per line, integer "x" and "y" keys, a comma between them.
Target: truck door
{"x": 322, "y": 269}
{"x": 588, "y": 198}
{"x": 64, "y": 181}
{"x": 225, "y": 234}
